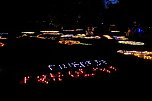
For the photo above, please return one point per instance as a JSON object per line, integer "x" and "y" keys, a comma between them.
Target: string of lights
{"x": 79, "y": 64}
{"x": 141, "y": 54}
{"x": 131, "y": 42}
{"x": 72, "y": 70}
{"x": 72, "y": 42}
{"x": 60, "y": 76}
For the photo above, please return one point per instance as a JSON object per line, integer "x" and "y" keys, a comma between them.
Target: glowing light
{"x": 79, "y": 64}
{"x": 86, "y": 44}
{"x": 3, "y": 36}
{"x": 52, "y": 33}
{"x": 67, "y": 36}
{"x": 79, "y": 36}
{"x": 72, "y": 42}
{"x": 108, "y": 3}
{"x": 28, "y": 32}
{"x": 115, "y": 31}
{"x": 138, "y": 30}
{"x": 131, "y": 42}
{"x": 68, "y": 30}
{"x": 83, "y": 36}
{"x": 2, "y": 44}
{"x": 45, "y": 36}
{"x": 26, "y": 79}
{"x": 139, "y": 54}
{"x": 53, "y": 77}
{"x": 75, "y": 73}
{"x": 107, "y": 36}
{"x": 49, "y": 31}
{"x": 120, "y": 38}
{"x": 69, "y": 42}
{"x": 92, "y": 37}
{"x": 79, "y": 30}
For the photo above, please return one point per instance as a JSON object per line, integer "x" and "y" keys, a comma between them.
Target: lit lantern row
{"x": 72, "y": 42}
{"x": 51, "y": 32}
{"x": 79, "y": 36}
{"x": 71, "y": 74}
{"x": 83, "y": 36}
{"x": 41, "y": 36}
{"x": 69, "y": 42}
{"x": 140, "y": 54}
{"x": 81, "y": 69}
{"x": 92, "y": 37}
{"x": 78, "y": 64}
{"x": 131, "y": 42}
{"x": 49, "y": 37}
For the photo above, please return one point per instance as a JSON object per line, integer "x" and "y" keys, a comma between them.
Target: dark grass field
{"x": 23, "y": 57}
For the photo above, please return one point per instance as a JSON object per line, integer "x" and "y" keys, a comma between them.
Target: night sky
{"x": 17, "y": 14}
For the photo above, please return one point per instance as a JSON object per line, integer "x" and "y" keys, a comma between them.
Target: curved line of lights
{"x": 72, "y": 70}
{"x": 80, "y": 64}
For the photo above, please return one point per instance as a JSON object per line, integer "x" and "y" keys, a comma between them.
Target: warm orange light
{"x": 107, "y": 36}
{"x": 1, "y": 44}
{"x": 140, "y": 54}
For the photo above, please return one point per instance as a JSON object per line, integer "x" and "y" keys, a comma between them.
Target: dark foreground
{"x": 21, "y": 58}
